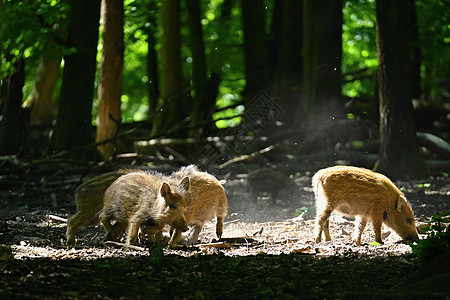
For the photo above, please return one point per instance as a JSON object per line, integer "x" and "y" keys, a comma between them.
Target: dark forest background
{"x": 205, "y": 81}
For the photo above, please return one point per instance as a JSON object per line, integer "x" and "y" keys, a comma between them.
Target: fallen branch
{"x": 122, "y": 245}
{"x": 435, "y": 144}
{"x": 246, "y": 157}
{"x": 214, "y": 245}
{"x": 56, "y": 218}
{"x": 228, "y": 242}
{"x": 233, "y": 221}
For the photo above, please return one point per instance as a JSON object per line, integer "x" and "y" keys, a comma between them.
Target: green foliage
{"x": 27, "y": 24}
{"x": 425, "y": 185}
{"x": 438, "y": 240}
{"x": 135, "y": 76}
{"x": 156, "y": 253}
{"x": 229, "y": 96}
{"x": 375, "y": 243}
{"x": 433, "y": 19}
{"x": 223, "y": 36}
{"x": 309, "y": 212}
{"x": 25, "y": 27}
{"x": 359, "y": 47}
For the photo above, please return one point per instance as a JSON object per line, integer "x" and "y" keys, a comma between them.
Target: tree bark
{"x": 15, "y": 119}
{"x": 1, "y": 48}
{"x": 152, "y": 59}
{"x": 289, "y": 73}
{"x": 110, "y": 86}
{"x": 257, "y": 71}
{"x": 170, "y": 106}
{"x": 274, "y": 37}
{"x": 201, "y": 106}
{"x": 399, "y": 150}
{"x": 322, "y": 53}
{"x": 41, "y": 98}
{"x": 74, "y": 119}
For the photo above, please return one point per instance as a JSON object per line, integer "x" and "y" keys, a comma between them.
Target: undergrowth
{"x": 438, "y": 240}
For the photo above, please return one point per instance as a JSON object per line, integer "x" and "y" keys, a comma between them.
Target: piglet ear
{"x": 186, "y": 183}
{"x": 165, "y": 189}
{"x": 401, "y": 201}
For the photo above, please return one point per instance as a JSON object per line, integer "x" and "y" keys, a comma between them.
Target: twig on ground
{"x": 56, "y": 218}
{"x": 246, "y": 157}
{"x": 122, "y": 245}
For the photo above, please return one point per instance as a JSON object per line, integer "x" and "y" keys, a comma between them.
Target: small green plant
{"x": 425, "y": 185}
{"x": 309, "y": 212}
{"x": 438, "y": 240}
{"x": 299, "y": 211}
{"x": 156, "y": 253}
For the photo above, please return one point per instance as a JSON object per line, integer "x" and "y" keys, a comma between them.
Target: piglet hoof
{"x": 191, "y": 242}
{"x": 356, "y": 242}
{"x": 318, "y": 239}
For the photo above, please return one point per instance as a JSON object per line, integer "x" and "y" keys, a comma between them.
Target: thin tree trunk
{"x": 170, "y": 106}
{"x": 416, "y": 56}
{"x": 399, "y": 150}
{"x": 15, "y": 119}
{"x": 1, "y": 47}
{"x": 255, "y": 48}
{"x": 274, "y": 37}
{"x": 200, "y": 106}
{"x": 110, "y": 87}
{"x": 74, "y": 119}
{"x": 152, "y": 59}
{"x": 322, "y": 52}
{"x": 289, "y": 73}
{"x": 41, "y": 98}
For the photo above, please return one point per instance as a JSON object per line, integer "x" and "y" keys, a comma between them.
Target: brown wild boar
{"x": 364, "y": 194}
{"x": 205, "y": 199}
{"x": 89, "y": 199}
{"x": 143, "y": 200}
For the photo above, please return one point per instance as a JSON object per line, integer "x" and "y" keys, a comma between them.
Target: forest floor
{"x": 267, "y": 251}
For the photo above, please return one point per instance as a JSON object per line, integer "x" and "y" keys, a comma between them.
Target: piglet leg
{"x": 197, "y": 229}
{"x": 376, "y": 224}
{"x": 133, "y": 229}
{"x": 219, "y": 227}
{"x": 360, "y": 224}
{"x": 321, "y": 218}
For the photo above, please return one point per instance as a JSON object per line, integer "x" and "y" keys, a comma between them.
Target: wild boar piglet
{"x": 364, "y": 194}
{"x": 205, "y": 200}
{"x": 143, "y": 200}
{"x": 89, "y": 199}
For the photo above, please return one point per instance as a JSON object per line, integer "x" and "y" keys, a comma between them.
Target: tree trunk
{"x": 257, "y": 71}
{"x": 322, "y": 54}
{"x": 110, "y": 86}
{"x": 1, "y": 48}
{"x": 399, "y": 149}
{"x": 289, "y": 71}
{"x": 152, "y": 59}
{"x": 74, "y": 119}
{"x": 15, "y": 119}
{"x": 201, "y": 107}
{"x": 416, "y": 57}
{"x": 41, "y": 98}
{"x": 170, "y": 106}
{"x": 274, "y": 37}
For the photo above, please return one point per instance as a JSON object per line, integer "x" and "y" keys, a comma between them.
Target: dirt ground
{"x": 267, "y": 251}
